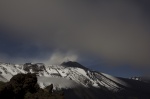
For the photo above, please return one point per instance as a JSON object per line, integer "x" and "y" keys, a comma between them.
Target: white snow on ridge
{"x": 81, "y": 71}
{"x": 57, "y": 83}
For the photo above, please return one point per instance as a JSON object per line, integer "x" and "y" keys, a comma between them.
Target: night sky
{"x": 111, "y": 36}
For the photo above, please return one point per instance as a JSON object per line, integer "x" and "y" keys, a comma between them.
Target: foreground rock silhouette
{"x": 24, "y": 86}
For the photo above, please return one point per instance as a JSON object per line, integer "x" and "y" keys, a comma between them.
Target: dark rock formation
{"x": 34, "y": 67}
{"x": 73, "y": 64}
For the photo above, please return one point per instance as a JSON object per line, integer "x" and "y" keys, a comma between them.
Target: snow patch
{"x": 115, "y": 79}
{"x": 57, "y": 82}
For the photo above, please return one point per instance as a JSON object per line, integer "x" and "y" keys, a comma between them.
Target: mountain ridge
{"x": 67, "y": 70}
{"x": 74, "y": 76}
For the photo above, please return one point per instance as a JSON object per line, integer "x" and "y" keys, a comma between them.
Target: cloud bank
{"x": 116, "y": 31}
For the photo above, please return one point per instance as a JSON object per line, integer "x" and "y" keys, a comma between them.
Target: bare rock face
{"x": 49, "y": 88}
{"x": 34, "y": 67}
{"x": 73, "y": 64}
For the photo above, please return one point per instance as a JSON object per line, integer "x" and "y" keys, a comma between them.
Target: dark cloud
{"x": 116, "y": 31}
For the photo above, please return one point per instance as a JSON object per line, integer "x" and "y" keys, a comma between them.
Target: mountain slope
{"x": 70, "y": 71}
{"x": 75, "y": 79}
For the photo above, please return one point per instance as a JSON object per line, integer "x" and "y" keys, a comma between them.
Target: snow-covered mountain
{"x": 67, "y": 75}
{"x": 142, "y": 78}
{"x": 79, "y": 82}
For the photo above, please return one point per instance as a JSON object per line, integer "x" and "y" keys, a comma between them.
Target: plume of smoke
{"x": 58, "y": 57}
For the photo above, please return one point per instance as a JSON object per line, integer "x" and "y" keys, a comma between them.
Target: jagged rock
{"x": 49, "y": 88}
{"x": 19, "y": 85}
{"x": 34, "y": 67}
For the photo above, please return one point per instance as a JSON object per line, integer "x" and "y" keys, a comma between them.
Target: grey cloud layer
{"x": 117, "y": 31}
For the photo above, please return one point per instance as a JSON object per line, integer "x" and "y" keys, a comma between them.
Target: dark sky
{"x": 111, "y": 36}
